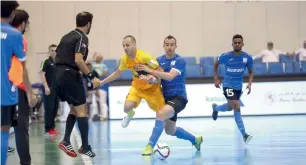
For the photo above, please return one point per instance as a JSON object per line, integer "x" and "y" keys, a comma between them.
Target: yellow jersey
{"x": 142, "y": 57}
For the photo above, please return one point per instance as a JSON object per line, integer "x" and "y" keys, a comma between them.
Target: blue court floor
{"x": 278, "y": 140}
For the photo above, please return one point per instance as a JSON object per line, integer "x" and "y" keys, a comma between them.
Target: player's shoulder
{"x": 226, "y": 54}
{"x": 10, "y": 31}
{"x": 246, "y": 55}
{"x": 179, "y": 58}
{"x": 143, "y": 53}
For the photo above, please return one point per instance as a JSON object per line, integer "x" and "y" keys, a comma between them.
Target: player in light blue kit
{"x": 174, "y": 91}
{"x": 235, "y": 64}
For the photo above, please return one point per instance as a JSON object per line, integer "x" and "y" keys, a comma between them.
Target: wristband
{"x": 90, "y": 76}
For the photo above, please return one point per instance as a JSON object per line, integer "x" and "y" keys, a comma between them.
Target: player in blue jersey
{"x": 235, "y": 62}
{"x": 174, "y": 91}
{"x": 11, "y": 45}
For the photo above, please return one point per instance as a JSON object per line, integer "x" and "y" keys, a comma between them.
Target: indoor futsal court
{"x": 277, "y": 140}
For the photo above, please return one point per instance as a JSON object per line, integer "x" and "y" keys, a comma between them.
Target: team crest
{"x": 135, "y": 67}
{"x": 244, "y": 60}
{"x": 173, "y": 62}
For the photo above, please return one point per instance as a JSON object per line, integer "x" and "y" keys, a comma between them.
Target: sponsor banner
{"x": 266, "y": 98}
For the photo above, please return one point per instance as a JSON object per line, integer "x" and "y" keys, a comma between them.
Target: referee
{"x": 71, "y": 55}
{"x": 50, "y": 98}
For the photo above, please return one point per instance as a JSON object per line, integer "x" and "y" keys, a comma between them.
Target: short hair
{"x": 20, "y": 17}
{"x": 83, "y": 18}
{"x": 52, "y": 45}
{"x": 270, "y": 43}
{"x": 131, "y": 37}
{"x": 237, "y": 36}
{"x": 7, "y": 7}
{"x": 169, "y": 37}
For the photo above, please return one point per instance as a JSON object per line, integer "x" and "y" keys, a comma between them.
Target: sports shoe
{"x": 247, "y": 138}
{"x": 51, "y": 132}
{"x": 67, "y": 148}
{"x": 147, "y": 151}
{"x": 87, "y": 151}
{"x": 215, "y": 113}
{"x": 199, "y": 141}
{"x": 126, "y": 120}
{"x": 10, "y": 149}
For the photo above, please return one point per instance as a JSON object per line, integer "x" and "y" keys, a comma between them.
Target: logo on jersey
{"x": 173, "y": 63}
{"x": 235, "y": 70}
{"x": 244, "y": 60}
{"x": 135, "y": 67}
{"x": 84, "y": 45}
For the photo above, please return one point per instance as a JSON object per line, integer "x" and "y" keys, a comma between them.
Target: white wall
{"x": 201, "y": 28}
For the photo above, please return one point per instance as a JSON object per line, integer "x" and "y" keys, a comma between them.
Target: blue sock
{"x": 183, "y": 134}
{"x": 4, "y": 146}
{"x": 239, "y": 122}
{"x": 221, "y": 108}
{"x": 156, "y": 132}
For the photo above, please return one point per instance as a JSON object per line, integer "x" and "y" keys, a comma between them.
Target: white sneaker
{"x": 126, "y": 120}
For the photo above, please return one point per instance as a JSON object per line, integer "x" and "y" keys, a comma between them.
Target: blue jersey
{"x": 175, "y": 87}
{"x": 234, "y": 68}
{"x": 11, "y": 44}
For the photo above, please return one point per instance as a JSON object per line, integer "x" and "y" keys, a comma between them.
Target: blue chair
{"x": 292, "y": 68}
{"x": 285, "y": 59}
{"x": 193, "y": 71}
{"x": 190, "y": 60}
{"x": 110, "y": 63}
{"x": 257, "y": 61}
{"x": 221, "y": 70}
{"x": 275, "y": 68}
{"x": 208, "y": 70}
{"x": 303, "y": 66}
{"x": 207, "y": 60}
{"x": 260, "y": 69}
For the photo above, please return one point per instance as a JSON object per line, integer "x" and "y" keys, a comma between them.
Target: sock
{"x": 239, "y": 122}
{"x": 183, "y": 134}
{"x": 4, "y": 146}
{"x": 83, "y": 126}
{"x": 221, "y": 108}
{"x": 157, "y": 131}
{"x": 131, "y": 113}
{"x": 69, "y": 127}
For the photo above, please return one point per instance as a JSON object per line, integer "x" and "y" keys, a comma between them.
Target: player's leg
{"x": 22, "y": 128}
{"x": 172, "y": 130}
{"x": 235, "y": 104}
{"x": 65, "y": 144}
{"x": 222, "y": 108}
{"x": 156, "y": 102}
{"x": 103, "y": 102}
{"x": 6, "y": 122}
{"x": 55, "y": 107}
{"x": 132, "y": 101}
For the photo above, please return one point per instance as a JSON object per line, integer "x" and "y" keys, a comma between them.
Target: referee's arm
{"x": 80, "y": 50}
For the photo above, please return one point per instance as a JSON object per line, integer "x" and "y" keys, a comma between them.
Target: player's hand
{"x": 32, "y": 99}
{"x": 249, "y": 88}
{"x": 95, "y": 82}
{"x": 47, "y": 91}
{"x": 151, "y": 79}
{"x": 217, "y": 82}
{"x": 144, "y": 68}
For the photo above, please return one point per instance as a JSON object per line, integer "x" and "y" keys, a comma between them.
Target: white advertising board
{"x": 266, "y": 98}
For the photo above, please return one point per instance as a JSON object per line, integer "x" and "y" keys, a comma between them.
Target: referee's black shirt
{"x": 73, "y": 42}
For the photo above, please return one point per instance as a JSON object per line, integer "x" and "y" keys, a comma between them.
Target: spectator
{"x": 301, "y": 52}
{"x": 270, "y": 54}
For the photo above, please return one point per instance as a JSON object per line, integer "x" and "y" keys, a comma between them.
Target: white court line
{"x": 86, "y": 159}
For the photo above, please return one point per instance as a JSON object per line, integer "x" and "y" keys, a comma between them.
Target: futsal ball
{"x": 161, "y": 150}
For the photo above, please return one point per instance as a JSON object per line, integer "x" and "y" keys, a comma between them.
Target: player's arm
{"x": 19, "y": 51}
{"x": 220, "y": 60}
{"x": 251, "y": 73}
{"x": 216, "y": 65}
{"x": 115, "y": 75}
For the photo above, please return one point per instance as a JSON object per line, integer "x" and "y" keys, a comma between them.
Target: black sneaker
{"x": 10, "y": 149}
{"x": 67, "y": 148}
{"x": 87, "y": 151}
{"x": 247, "y": 138}
{"x": 215, "y": 113}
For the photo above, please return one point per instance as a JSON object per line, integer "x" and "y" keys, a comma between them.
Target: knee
{"x": 236, "y": 105}
{"x": 170, "y": 131}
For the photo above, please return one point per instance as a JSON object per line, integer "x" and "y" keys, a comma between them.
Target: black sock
{"x": 69, "y": 127}
{"x": 83, "y": 126}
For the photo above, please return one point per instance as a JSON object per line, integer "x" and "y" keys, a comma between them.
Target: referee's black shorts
{"x": 69, "y": 85}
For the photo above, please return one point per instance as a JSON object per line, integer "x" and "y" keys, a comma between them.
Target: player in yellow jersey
{"x": 141, "y": 88}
